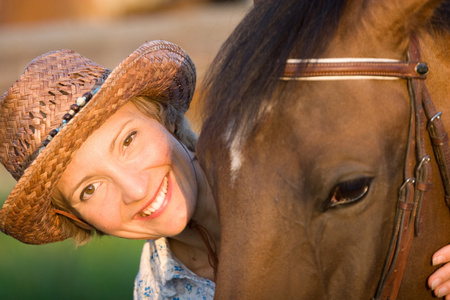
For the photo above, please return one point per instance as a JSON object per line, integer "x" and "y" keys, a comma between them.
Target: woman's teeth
{"x": 155, "y": 205}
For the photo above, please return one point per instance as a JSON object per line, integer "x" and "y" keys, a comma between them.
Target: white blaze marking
{"x": 235, "y": 147}
{"x": 236, "y": 159}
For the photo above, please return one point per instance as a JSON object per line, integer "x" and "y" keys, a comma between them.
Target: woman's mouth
{"x": 159, "y": 200}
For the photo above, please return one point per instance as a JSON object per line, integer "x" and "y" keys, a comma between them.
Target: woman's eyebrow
{"x": 113, "y": 142}
{"x": 88, "y": 177}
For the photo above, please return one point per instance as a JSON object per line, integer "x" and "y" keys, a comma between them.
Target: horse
{"x": 315, "y": 144}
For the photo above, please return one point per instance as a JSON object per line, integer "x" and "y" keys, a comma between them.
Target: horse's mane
{"x": 441, "y": 18}
{"x": 249, "y": 60}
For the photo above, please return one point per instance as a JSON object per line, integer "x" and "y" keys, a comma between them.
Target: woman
{"x": 110, "y": 152}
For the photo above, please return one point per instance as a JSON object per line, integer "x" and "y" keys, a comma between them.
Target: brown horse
{"x": 311, "y": 176}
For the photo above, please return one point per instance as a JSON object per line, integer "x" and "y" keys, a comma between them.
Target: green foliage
{"x": 102, "y": 269}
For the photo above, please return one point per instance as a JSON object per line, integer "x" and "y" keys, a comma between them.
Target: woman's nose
{"x": 134, "y": 186}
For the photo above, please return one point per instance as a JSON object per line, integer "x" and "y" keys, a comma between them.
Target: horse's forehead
{"x": 325, "y": 124}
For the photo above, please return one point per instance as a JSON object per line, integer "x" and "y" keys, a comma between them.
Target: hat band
{"x": 75, "y": 108}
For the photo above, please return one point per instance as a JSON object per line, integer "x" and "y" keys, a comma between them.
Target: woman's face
{"x": 131, "y": 178}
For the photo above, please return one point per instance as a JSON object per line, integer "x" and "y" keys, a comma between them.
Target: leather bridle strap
{"x": 352, "y": 68}
{"x": 417, "y": 172}
{"x": 412, "y": 194}
{"x": 439, "y": 139}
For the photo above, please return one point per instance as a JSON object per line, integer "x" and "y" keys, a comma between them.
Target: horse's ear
{"x": 402, "y": 16}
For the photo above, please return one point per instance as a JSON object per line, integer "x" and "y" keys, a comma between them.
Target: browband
{"x": 353, "y": 69}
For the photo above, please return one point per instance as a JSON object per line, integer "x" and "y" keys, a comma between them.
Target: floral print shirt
{"x": 162, "y": 276}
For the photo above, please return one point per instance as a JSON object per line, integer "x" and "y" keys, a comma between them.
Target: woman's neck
{"x": 189, "y": 246}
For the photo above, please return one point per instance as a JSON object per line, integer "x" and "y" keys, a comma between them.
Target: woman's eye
{"x": 349, "y": 192}
{"x": 88, "y": 191}
{"x": 129, "y": 139}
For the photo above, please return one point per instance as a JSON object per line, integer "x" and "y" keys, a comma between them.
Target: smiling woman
{"x": 127, "y": 173}
{"x": 111, "y": 152}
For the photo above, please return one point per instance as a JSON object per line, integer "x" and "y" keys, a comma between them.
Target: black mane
{"x": 441, "y": 18}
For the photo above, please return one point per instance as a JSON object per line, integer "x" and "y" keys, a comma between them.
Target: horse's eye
{"x": 349, "y": 192}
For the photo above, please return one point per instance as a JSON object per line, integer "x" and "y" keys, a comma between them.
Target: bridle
{"x": 417, "y": 171}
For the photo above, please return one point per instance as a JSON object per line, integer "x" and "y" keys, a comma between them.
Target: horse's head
{"x": 307, "y": 172}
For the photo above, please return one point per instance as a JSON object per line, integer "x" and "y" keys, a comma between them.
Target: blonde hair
{"x": 175, "y": 122}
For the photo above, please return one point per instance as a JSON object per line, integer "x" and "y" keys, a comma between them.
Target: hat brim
{"x": 157, "y": 69}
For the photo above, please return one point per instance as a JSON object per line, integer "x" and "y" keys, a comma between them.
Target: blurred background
{"x": 105, "y": 31}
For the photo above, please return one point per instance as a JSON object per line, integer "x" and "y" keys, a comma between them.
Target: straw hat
{"x": 41, "y": 128}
